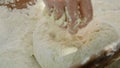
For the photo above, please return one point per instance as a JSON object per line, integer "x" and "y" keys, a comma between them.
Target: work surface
{"x": 16, "y": 38}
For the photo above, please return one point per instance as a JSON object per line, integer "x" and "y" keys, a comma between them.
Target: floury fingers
{"x": 18, "y": 4}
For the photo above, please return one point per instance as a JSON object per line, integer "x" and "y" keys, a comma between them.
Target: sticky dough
{"x": 54, "y": 47}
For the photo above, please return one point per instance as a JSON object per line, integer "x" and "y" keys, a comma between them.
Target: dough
{"x": 25, "y": 31}
{"x": 56, "y": 48}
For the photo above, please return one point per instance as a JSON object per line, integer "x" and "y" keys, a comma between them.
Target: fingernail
{"x": 64, "y": 25}
{"x": 58, "y": 14}
{"x": 50, "y": 11}
{"x": 73, "y": 29}
{"x": 83, "y": 23}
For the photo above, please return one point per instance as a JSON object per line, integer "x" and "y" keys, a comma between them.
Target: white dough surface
{"x": 29, "y": 39}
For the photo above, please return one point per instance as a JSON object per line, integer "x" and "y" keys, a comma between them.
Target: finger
{"x": 60, "y": 13}
{"x": 73, "y": 15}
{"x": 23, "y": 3}
{"x": 19, "y": 4}
{"x": 64, "y": 24}
{"x": 59, "y": 6}
{"x": 86, "y": 12}
{"x": 49, "y": 5}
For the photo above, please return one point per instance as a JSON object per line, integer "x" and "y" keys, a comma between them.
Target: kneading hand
{"x": 77, "y": 9}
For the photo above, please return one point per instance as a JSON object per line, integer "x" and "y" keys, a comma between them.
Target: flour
{"x": 27, "y": 32}
{"x": 51, "y": 43}
{"x": 7, "y": 1}
{"x": 16, "y": 28}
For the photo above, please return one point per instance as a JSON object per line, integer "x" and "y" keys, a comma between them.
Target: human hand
{"x": 77, "y": 9}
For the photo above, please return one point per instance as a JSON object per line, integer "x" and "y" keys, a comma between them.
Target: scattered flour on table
{"x": 25, "y": 31}
{"x": 16, "y": 43}
{"x": 7, "y": 1}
